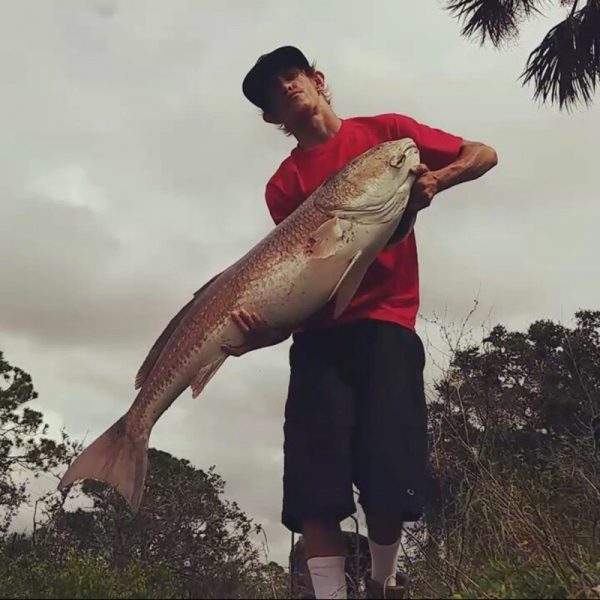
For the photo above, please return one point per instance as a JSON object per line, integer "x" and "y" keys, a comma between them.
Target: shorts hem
{"x": 293, "y": 521}
{"x": 406, "y": 514}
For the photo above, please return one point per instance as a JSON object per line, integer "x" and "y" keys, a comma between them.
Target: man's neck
{"x": 318, "y": 128}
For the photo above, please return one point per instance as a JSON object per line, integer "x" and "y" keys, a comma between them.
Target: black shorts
{"x": 355, "y": 414}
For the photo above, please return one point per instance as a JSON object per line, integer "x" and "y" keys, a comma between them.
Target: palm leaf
{"x": 565, "y": 67}
{"x": 497, "y": 20}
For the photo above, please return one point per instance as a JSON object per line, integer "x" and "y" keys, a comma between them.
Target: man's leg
{"x": 391, "y": 450}
{"x": 318, "y": 462}
{"x": 384, "y": 544}
{"x": 325, "y": 557}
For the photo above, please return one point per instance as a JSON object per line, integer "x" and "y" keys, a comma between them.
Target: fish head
{"x": 375, "y": 185}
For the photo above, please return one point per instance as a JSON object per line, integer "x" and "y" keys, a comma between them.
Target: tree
{"x": 515, "y": 503}
{"x": 565, "y": 67}
{"x": 185, "y": 541}
{"x": 183, "y": 524}
{"x": 24, "y": 447}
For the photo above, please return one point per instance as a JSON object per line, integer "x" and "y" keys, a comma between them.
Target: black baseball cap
{"x": 255, "y": 82}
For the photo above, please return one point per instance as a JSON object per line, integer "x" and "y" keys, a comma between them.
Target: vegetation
{"x": 185, "y": 541}
{"x": 515, "y": 434}
{"x": 514, "y": 508}
{"x": 565, "y": 67}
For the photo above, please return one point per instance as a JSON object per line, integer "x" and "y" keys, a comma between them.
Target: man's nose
{"x": 283, "y": 83}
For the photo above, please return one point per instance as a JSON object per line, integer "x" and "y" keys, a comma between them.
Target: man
{"x": 355, "y": 412}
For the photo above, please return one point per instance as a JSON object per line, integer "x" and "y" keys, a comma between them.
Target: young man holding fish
{"x": 356, "y": 411}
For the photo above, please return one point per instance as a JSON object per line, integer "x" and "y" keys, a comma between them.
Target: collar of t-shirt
{"x": 323, "y": 147}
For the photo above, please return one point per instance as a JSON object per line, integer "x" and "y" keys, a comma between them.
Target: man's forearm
{"x": 473, "y": 161}
{"x": 278, "y": 336}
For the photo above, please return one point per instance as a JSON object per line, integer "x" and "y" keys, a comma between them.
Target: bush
{"x": 83, "y": 575}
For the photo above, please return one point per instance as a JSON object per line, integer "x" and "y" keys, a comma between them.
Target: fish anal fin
{"x": 205, "y": 374}
{"x": 164, "y": 337}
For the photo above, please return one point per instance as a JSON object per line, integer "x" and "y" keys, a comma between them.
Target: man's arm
{"x": 473, "y": 160}
{"x": 256, "y": 331}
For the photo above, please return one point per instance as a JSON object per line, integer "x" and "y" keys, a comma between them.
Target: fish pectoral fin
{"x": 349, "y": 282}
{"x": 205, "y": 374}
{"x": 327, "y": 239}
{"x": 343, "y": 277}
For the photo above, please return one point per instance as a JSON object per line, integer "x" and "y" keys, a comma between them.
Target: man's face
{"x": 291, "y": 93}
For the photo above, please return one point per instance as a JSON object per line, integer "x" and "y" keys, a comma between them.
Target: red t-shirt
{"x": 390, "y": 288}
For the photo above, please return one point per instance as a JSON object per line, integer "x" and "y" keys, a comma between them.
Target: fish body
{"x": 318, "y": 253}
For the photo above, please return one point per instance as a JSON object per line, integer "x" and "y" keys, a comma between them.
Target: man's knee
{"x": 323, "y": 537}
{"x": 320, "y": 524}
{"x": 384, "y": 531}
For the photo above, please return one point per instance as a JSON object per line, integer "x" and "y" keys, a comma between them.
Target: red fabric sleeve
{"x": 437, "y": 148}
{"x": 275, "y": 203}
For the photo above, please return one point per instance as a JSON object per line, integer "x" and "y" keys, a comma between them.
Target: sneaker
{"x": 376, "y": 591}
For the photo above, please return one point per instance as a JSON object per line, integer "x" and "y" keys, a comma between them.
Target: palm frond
{"x": 565, "y": 67}
{"x": 497, "y": 20}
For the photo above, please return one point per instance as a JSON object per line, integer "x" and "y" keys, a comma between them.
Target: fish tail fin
{"x": 117, "y": 458}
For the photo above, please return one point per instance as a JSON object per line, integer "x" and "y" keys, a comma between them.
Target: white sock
{"x": 384, "y": 561}
{"x": 328, "y": 576}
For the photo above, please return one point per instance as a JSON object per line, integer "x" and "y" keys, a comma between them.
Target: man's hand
{"x": 256, "y": 331}
{"x": 425, "y": 187}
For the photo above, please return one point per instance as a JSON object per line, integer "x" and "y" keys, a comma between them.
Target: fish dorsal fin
{"x": 205, "y": 374}
{"x": 164, "y": 337}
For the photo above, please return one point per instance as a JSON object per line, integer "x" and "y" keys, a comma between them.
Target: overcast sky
{"x": 133, "y": 169}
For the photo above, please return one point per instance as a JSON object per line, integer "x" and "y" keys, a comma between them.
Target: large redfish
{"x": 319, "y": 253}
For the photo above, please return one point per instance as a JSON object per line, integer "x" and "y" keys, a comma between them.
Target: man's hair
{"x": 310, "y": 71}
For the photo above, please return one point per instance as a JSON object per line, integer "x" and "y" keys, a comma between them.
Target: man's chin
{"x": 301, "y": 110}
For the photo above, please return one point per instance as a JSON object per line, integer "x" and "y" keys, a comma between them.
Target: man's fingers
{"x": 248, "y": 321}
{"x": 240, "y": 321}
{"x": 259, "y": 321}
{"x": 253, "y": 319}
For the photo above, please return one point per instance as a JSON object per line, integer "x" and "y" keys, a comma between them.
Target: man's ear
{"x": 319, "y": 79}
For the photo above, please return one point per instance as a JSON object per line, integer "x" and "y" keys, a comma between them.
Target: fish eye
{"x": 398, "y": 161}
